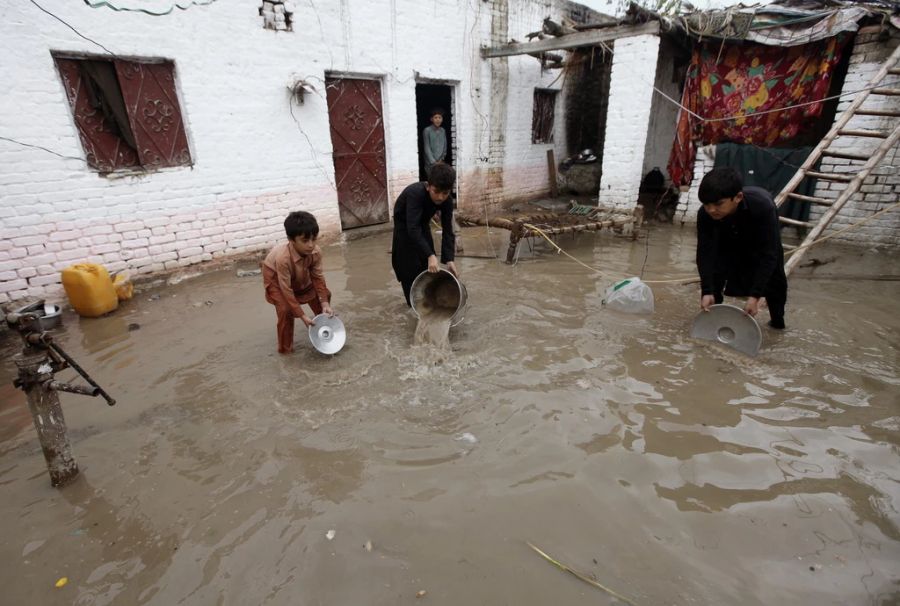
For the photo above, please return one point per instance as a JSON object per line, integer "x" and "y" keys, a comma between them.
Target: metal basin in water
{"x": 426, "y": 286}
{"x": 728, "y": 325}
{"x": 50, "y": 320}
{"x": 48, "y": 315}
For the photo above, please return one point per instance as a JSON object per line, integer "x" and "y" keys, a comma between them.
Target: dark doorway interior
{"x": 587, "y": 81}
{"x": 428, "y": 97}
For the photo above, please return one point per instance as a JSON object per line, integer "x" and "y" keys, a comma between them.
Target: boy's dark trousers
{"x": 407, "y": 264}
{"x": 775, "y": 293}
{"x": 409, "y": 274}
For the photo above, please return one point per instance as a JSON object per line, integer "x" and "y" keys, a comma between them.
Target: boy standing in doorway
{"x": 434, "y": 140}
{"x": 434, "y": 143}
{"x": 739, "y": 250}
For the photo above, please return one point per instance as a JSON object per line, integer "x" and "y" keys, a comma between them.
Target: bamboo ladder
{"x": 853, "y": 181}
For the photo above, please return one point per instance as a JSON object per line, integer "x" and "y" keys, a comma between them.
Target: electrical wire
{"x": 72, "y": 28}
{"x": 768, "y": 111}
{"x": 312, "y": 148}
{"x": 322, "y": 35}
{"x": 646, "y": 250}
{"x": 49, "y": 151}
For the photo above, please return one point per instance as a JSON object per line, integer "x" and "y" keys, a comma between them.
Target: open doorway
{"x": 428, "y": 98}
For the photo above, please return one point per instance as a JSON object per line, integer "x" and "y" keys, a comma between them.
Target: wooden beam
{"x": 587, "y": 38}
{"x": 551, "y": 170}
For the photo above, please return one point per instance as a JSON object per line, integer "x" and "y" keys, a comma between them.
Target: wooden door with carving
{"x": 357, "y": 136}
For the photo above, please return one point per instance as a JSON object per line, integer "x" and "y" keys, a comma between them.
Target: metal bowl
{"x": 51, "y": 320}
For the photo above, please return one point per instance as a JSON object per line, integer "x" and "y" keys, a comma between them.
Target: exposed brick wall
{"x": 882, "y": 188}
{"x": 507, "y": 165}
{"x": 253, "y": 161}
{"x": 277, "y": 14}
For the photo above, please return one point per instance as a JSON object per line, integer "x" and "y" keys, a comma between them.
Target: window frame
{"x": 162, "y": 96}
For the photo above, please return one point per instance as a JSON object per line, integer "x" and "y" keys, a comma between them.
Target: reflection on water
{"x": 675, "y": 470}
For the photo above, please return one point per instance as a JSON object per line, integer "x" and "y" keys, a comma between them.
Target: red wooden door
{"x": 357, "y": 136}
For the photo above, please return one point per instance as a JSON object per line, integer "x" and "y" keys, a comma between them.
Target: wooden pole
{"x": 515, "y": 234}
{"x": 551, "y": 169}
{"x": 518, "y": 230}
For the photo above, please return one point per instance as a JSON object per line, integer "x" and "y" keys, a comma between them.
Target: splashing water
{"x": 439, "y": 302}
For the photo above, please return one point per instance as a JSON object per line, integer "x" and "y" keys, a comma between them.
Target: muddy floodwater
{"x": 668, "y": 469}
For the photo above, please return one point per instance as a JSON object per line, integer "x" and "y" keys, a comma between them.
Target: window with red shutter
{"x": 126, "y": 112}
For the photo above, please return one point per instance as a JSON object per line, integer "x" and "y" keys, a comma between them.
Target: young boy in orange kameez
{"x": 293, "y": 275}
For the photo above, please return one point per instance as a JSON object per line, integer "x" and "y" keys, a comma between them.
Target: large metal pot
{"x": 427, "y": 284}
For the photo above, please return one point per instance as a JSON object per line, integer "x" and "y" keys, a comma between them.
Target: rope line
{"x": 692, "y": 279}
{"x": 768, "y": 111}
{"x": 559, "y": 250}
{"x": 842, "y": 230}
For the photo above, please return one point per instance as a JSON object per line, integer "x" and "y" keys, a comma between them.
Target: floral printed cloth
{"x": 733, "y": 80}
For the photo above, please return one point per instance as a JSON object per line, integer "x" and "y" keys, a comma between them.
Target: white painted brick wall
{"x": 253, "y": 161}
{"x": 628, "y": 119}
{"x": 689, "y": 203}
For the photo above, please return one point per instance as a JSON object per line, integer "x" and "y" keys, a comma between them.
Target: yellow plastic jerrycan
{"x": 89, "y": 289}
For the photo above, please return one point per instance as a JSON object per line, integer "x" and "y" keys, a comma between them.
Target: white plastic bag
{"x": 631, "y": 296}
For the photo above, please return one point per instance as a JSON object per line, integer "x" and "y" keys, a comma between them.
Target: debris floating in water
{"x": 421, "y": 593}
{"x": 468, "y": 438}
{"x": 368, "y": 546}
{"x": 580, "y": 576}
{"x": 62, "y": 582}
{"x": 330, "y": 534}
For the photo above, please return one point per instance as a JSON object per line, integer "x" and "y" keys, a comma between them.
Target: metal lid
{"x": 728, "y": 325}
{"x": 327, "y": 334}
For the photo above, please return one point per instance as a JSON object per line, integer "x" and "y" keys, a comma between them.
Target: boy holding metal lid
{"x": 293, "y": 275}
{"x": 739, "y": 250}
